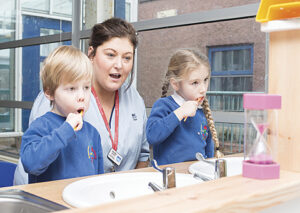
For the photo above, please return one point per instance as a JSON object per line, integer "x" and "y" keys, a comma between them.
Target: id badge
{"x": 114, "y": 156}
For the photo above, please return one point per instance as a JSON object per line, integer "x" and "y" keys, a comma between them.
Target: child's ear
{"x": 48, "y": 95}
{"x": 90, "y": 53}
{"x": 174, "y": 83}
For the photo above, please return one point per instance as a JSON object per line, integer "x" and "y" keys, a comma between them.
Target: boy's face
{"x": 194, "y": 86}
{"x": 71, "y": 97}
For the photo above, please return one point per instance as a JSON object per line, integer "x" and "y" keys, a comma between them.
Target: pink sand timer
{"x": 260, "y": 136}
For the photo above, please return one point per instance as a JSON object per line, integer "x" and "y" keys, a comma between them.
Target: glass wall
{"x": 7, "y": 88}
{"x": 39, "y": 26}
{"x": 7, "y": 63}
{"x": 19, "y": 67}
{"x": 237, "y": 59}
{"x": 7, "y": 21}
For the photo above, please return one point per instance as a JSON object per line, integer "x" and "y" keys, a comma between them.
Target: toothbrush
{"x": 81, "y": 113}
{"x": 198, "y": 100}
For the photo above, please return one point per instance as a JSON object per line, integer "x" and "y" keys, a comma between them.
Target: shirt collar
{"x": 180, "y": 100}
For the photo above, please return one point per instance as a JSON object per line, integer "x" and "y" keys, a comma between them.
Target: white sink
{"x": 234, "y": 167}
{"x": 107, "y": 188}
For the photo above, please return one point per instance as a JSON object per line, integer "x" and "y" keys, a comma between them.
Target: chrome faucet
{"x": 219, "y": 166}
{"x": 169, "y": 180}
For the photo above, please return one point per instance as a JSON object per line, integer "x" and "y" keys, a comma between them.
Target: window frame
{"x": 212, "y": 50}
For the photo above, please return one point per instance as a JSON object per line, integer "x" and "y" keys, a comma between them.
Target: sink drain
{"x": 112, "y": 195}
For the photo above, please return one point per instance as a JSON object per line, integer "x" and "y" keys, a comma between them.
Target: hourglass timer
{"x": 261, "y": 135}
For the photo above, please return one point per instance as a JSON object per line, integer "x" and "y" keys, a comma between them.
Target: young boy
{"x": 60, "y": 144}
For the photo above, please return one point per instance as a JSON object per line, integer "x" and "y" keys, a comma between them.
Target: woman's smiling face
{"x": 112, "y": 63}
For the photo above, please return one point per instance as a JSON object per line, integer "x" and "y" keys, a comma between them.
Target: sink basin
{"x": 15, "y": 200}
{"x": 234, "y": 167}
{"x": 107, "y": 188}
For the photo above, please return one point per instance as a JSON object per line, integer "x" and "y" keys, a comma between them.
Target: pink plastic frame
{"x": 257, "y": 101}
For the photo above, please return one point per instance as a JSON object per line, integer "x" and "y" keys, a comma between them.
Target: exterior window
{"x": 231, "y": 75}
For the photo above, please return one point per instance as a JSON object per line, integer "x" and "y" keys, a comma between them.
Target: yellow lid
{"x": 277, "y": 9}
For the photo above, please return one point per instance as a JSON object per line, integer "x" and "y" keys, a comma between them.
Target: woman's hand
{"x": 188, "y": 109}
{"x": 75, "y": 120}
{"x": 142, "y": 164}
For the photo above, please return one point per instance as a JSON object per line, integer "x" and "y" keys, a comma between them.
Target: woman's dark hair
{"x": 112, "y": 28}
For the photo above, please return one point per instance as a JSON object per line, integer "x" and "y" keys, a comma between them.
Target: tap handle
{"x": 169, "y": 178}
{"x": 220, "y": 168}
{"x": 155, "y": 166}
{"x": 200, "y": 157}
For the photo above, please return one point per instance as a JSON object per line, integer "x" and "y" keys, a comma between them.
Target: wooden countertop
{"x": 230, "y": 194}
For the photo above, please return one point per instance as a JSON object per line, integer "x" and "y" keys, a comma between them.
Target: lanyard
{"x": 114, "y": 141}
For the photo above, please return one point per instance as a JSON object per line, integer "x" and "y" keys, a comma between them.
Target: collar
{"x": 180, "y": 100}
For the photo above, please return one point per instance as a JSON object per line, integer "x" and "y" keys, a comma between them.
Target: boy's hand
{"x": 75, "y": 120}
{"x": 189, "y": 108}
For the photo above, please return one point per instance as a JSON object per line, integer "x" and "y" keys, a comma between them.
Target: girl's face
{"x": 194, "y": 85}
{"x": 71, "y": 97}
{"x": 112, "y": 63}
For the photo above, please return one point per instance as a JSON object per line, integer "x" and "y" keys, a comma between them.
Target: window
{"x": 231, "y": 75}
{"x": 62, "y": 8}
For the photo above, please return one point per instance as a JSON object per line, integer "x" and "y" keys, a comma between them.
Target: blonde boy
{"x": 60, "y": 144}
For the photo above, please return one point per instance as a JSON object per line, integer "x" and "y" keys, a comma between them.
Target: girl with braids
{"x": 181, "y": 125}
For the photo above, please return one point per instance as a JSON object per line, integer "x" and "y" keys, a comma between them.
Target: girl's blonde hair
{"x": 66, "y": 64}
{"x": 182, "y": 62}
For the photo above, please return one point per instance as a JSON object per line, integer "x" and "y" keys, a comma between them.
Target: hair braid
{"x": 165, "y": 86}
{"x": 212, "y": 128}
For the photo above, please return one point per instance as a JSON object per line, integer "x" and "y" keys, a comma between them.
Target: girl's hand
{"x": 75, "y": 120}
{"x": 188, "y": 109}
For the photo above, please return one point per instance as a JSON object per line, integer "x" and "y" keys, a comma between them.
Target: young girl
{"x": 181, "y": 125}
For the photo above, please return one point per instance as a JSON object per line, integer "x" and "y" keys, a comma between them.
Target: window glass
{"x": 42, "y": 23}
{"x": 232, "y": 70}
{"x": 32, "y": 59}
{"x": 6, "y": 119}
{"x": 97, "y": 11}
{"x": 62, "y": 7}
{"x": 231, "y": 60}
{"x": 231, "y": 137}
{"x": 7, "y": 21}
{"x": 45, "y": 49}
{"x": 59, "y": 17}
{"x": 39, "y": 6}
{"x": 128, "y": 11}
{"x": 242, "y": 68}
{"x": 239, "y": 67}
{"x": 149, "y": 9}
{"x": 51, "y": 7}
{"x": 7, "y": 89}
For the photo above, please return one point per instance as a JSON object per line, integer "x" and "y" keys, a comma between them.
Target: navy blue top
{"x": 52, "y": 150}
{"x": 174, "y": 141}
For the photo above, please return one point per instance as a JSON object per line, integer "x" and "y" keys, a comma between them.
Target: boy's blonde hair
{"x": 66, "y": 64}
{"x": 182, "y": 62}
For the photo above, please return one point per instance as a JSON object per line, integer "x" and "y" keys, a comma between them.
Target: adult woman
{"x": 116, "y": 109}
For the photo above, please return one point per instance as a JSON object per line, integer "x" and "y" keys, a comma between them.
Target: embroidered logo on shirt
{"x": 134, "y": 117}
{"x": 204, "y": 132}
{"x": 92, "y": 153}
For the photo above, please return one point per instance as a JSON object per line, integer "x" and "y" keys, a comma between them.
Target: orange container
{"x": 277, "y": 9}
